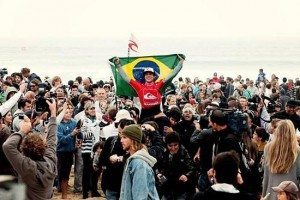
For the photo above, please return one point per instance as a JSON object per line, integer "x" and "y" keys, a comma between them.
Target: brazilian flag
{"x": 134, "y": 67}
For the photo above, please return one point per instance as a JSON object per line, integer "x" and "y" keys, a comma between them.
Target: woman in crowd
{"x": 282, "y": 160}
{"x": 66, "y": 138}
{"x": 286, "y": 190}
{"x": 91, "y": 134}
{"x": 7, "y": 120}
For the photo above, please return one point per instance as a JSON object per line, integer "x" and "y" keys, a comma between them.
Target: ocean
{"x": 72, "y": 57}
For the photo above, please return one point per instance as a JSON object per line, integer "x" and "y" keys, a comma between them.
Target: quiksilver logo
{"x": 149, "y": 96}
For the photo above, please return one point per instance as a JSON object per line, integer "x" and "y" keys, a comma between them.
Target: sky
{"x": 166, "y": 18}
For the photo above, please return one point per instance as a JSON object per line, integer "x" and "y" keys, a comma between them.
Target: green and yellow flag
{"x": 162, "y": 65}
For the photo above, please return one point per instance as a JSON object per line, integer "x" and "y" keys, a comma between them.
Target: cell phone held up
{"x": 79, "y": 124}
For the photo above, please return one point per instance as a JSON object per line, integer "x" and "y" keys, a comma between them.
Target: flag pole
{"x": 116, "y": 81}
{"x": 128, "y": 54}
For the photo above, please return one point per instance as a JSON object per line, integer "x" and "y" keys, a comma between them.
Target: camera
{"x": 52, "y": 95}
{"x": 21, "y": 116}
{"x": 163, "y": 179}
{"x": 41, "y": 104}
{"x": 3, "y": 72}
{"x": 196, "y": 117}
{"x": 253, "y": 102}
{"x": 271, "y": 104}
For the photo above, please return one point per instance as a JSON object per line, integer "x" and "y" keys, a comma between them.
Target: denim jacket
{"x": 138, "y": 182}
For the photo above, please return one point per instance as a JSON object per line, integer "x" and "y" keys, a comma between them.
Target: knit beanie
{"x": 133, "y": 132}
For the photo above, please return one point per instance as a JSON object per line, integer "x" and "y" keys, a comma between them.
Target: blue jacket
{"x": 65, "y": 141}
{"x": 138, "y": 182}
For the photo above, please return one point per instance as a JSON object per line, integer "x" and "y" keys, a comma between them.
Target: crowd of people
{"x": 218, "y": 138}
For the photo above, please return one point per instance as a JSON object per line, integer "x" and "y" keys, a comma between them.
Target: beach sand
{"x": 72, "y": 195}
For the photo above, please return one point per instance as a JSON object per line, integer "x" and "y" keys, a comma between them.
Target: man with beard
{"x": 138, "y": 180}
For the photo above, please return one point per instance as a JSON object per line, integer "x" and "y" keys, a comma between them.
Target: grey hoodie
{"x": 144, "y": 155}
{"x": 38, "y": 176}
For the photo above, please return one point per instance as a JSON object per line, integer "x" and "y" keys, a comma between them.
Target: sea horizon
{"x": 72, "y": 57}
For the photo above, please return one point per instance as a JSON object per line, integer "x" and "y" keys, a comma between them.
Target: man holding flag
{"x": 147, "y": 89}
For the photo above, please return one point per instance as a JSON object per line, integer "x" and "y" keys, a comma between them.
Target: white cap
{"x": 123, "y": 114}
{"x": 149, "y": 69}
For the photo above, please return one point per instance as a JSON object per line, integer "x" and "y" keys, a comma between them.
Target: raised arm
{"x": 120, "y": 69}
{"x": 51, "y": 136}
{"x": 6, "y": 106}
{"x": 176, "y": 69}
{"x": 61, "y": 115}
{"x": 19, "y": 162}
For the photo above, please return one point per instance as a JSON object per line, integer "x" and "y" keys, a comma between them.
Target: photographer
{"x": 227, "y": 140}
{"x": 24, "y": 105}
{"x": 34, "y": 86}
{"x": 36, "y": 166}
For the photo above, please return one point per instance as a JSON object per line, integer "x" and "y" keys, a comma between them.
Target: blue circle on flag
{"x": 138, "y": 70}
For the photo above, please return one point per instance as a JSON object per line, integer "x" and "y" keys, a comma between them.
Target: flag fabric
{"x": 133, "y": 44}
{"x": 162, "y": 65}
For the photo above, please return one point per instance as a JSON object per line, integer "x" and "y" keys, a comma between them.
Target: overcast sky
{"x": 103, "y": 18}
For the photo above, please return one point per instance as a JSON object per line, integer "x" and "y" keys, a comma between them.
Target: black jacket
{"x": 204, "y": 140}
{"x": 211, "y": 194}
{"x": 172, "y": 167}
{"x": 185, "y": 129}
{"x": 283, "y": 115}
{"x": 112, "y": 173}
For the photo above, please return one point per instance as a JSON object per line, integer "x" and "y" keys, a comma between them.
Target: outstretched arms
{"x": 117, "y": 63}
{"x": 176, "y": 69}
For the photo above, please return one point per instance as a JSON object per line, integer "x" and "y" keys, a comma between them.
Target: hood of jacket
{"x": 8, "y": 91}
{"x": 144, "y": 155}
{"x": 224, "y": 187}
{"x": 44, "y": 174}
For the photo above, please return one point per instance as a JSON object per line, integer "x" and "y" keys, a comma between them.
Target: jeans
{"x": 87, "y": 173}
{"x": 78, "y": 170}
{"x": 112, "y": 195}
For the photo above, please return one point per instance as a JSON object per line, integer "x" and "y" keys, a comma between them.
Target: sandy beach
{"x": 72, "y": 195}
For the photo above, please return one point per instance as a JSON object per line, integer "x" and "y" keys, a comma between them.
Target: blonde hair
{"x": 137, "y": 145}
{"x": 283, "y": 150}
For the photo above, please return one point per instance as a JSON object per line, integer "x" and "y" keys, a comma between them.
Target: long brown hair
{"x": 283, "y": 150}
{"x": 137, "y": 145}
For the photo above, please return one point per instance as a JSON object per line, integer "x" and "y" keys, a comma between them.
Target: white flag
{"x": 133, "y": 43}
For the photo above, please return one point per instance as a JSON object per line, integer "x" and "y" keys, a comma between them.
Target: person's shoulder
{"x": 111, "y": 138}
{"x": 136, "y": 162}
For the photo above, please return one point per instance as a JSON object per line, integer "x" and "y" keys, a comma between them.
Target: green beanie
{"x": 133, "y": 132}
